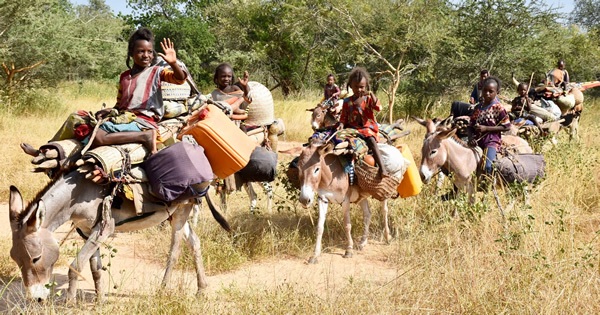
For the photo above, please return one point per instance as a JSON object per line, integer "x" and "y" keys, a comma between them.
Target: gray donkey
{"x": 69, "y": 196}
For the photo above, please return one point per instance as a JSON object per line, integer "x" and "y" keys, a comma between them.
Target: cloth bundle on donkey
{"x": 353, "y": 150}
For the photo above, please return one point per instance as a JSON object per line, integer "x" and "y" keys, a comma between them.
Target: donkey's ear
{"x": 326, "y": 149}
{"x": 446, "y": 133}
{"x": 422, "y": 122}
{"x": 310, "y": 110}
{"x": 447, "y": 122}
{"x": 36, "y": 218}
{"x": 15, "y": 204}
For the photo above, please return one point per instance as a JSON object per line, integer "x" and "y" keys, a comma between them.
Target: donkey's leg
{"x": 194, "y": 244}
{"x": 100, "y": 233}
{"x": 364, "y": 205}
{"x": 178, "y": 221}
{"x": 223, "y": 196}
{"x": 197, "y": 203}
{"x": 323, "y": 203}
{"x": 574, "y": 134}
{"x": 440, "y": 182}
{"x": 348, "y": 228}
{"x": 386, "y": 222}
{"x": 252, "y": 195}
{"x": 269, "y": 192}
{"x": 96, "y": 267}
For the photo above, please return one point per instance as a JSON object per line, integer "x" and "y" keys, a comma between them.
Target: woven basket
{"x": 261, "y": 110}
{"x": 175, "y": 92}
{"x": 380, "y": 188}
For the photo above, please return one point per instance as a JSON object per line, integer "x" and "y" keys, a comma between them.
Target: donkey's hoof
{"x": 348, "y": 254}
{"x": 313, "y": 260}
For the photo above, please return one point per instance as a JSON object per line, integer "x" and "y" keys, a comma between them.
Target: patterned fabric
{"x": 141, "y": 93}
{"x": 330, "y": 90}
{"x": 231, "y": 97}
{"x": 491, "y": 115}
{"x": 518, "y": 104}
{"x": 361, "y": 116}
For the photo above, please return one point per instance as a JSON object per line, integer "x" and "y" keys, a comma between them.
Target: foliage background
{"x": 416, "y": 51}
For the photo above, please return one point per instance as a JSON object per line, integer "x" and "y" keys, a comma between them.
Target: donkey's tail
{"x": 224, "y": 224}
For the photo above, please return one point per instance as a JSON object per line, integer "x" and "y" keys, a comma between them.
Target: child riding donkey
{"x": 237, "y": 96}
{"x": 139, "y": 105}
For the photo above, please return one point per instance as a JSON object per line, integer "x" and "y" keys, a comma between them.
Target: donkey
{"x": 324, "y": 116}
{"x": 443, "y": 150}
{"x": 69, "y": 196}
{"x": 321, "y": 172}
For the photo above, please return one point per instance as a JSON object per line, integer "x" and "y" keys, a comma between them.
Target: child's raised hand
{"x": 372, "y": 96}
{"x": 169, "y": 54}
{"x": 245, "y": 78}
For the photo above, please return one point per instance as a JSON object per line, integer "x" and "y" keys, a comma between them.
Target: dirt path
{"x": 134, "y": 272}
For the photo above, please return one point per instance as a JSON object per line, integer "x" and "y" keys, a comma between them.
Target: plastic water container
{"x": 411, "y": 183}
{"x": 227, "y": 148}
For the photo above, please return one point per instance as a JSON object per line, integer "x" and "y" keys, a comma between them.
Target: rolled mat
{"x": 111, "y": 157}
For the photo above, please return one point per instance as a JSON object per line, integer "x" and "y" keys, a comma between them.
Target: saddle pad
{"x": 520, "y": 168}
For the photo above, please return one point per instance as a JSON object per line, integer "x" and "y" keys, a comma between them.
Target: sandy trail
{"x": 132, "y": 271}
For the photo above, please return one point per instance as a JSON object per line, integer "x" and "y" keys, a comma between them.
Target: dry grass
{"x": 543, "y": 259}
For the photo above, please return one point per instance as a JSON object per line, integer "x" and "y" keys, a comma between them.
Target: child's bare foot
{"x": 28, "y": 149}
{"x": 382, "y": 173}
{"x": 150, "y": 140}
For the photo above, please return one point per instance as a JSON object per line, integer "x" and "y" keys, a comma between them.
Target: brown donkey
{"x": 321, "y": 172}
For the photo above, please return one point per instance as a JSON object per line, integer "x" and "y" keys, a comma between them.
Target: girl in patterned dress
{"x": 488, "y": 121}
{"x": 140, "y": 93}
{"x": 358, "y": 112}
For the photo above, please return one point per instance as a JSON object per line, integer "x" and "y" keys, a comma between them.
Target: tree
{"x": 282, "y": 39}
{"x": 186, "y": 24}
{"x": 398, "y": 41}
{"x": 50, "y": 41}
{"x": 505, "y": 37}
{"x": 587, "y": 14}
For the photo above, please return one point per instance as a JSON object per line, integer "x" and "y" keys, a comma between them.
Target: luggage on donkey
{"x": 521, "y": 167}
{"x": 227, "y": 147}
{"x": 262, "y": 166}
{"x": 180, "y": 171}
{"x": 386, "y": 187}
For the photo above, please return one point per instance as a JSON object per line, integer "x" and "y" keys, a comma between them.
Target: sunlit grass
{"x": 542, "y": 259}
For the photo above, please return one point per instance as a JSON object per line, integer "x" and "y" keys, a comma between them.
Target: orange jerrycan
{"x": 411, "y": 183}
{"x": 227, "y": 148}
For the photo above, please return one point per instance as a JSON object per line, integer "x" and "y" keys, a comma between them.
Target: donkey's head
{"x": 311, "y": 165}
{"x": 433, "y": 154}
{"x": 33, "y": 249}
{"x": 322, "y": 116}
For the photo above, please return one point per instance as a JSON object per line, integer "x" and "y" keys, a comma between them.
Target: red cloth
{"x": 359, "y": 114}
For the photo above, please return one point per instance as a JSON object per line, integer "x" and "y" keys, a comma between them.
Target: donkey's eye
{"x": 316, "y": 170}
{"x": 36, "y": 259}
{"x": 433, "y": 152}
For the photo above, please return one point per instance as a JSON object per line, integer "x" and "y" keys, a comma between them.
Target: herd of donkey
{"x": 129, "y": 199}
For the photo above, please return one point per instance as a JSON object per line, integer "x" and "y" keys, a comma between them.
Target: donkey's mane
{"x": 39, "y": 195}
{"x": 460, "y": 141}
